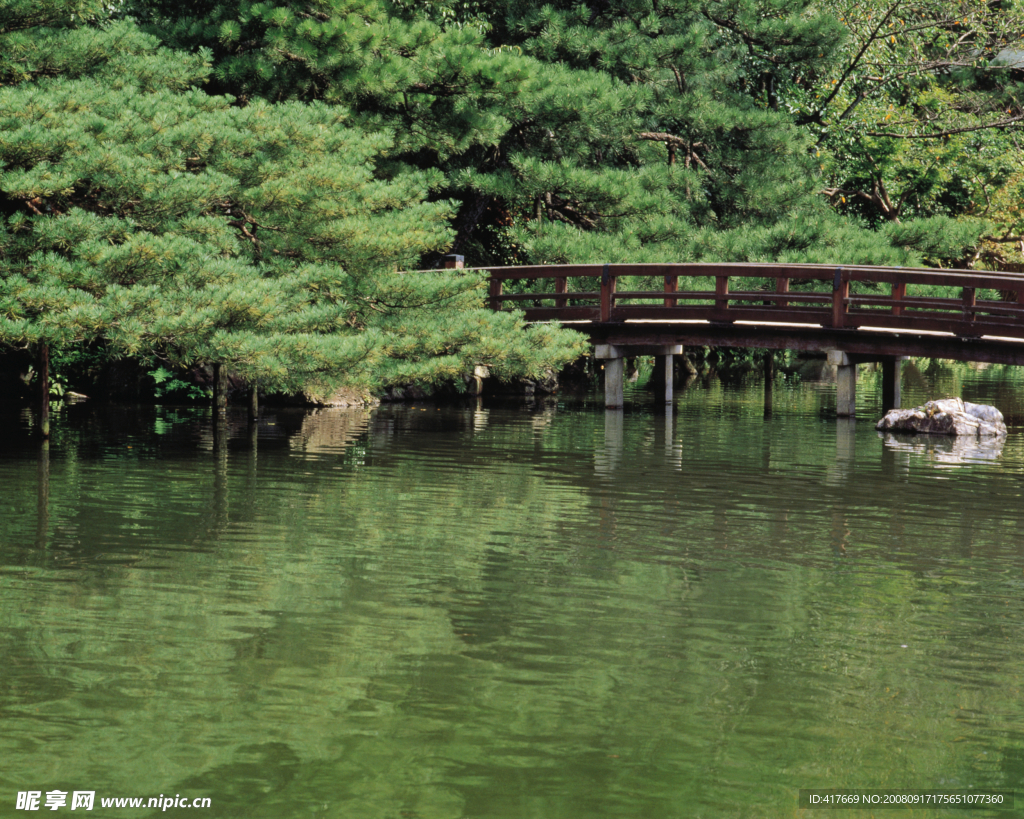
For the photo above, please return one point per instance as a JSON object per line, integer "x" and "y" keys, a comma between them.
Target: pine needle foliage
{"x": 143, "y": 212}
{"x": 591, "y": 132}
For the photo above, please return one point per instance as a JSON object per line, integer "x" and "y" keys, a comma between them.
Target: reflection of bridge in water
{"x": 854, "y": 314}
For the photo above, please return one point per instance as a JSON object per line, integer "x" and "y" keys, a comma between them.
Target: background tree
{"x": 629, "y": 131}
{"x": 920, "y": 113}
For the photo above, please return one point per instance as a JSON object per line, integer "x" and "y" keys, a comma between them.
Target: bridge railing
{"x": 968, "y": 304}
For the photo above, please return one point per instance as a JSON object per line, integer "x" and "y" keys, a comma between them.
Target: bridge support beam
{"x": 613, "y": 356}
{"x": 846, "y": 380}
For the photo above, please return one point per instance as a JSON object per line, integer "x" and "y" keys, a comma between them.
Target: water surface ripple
{"x": 495, "y": 611}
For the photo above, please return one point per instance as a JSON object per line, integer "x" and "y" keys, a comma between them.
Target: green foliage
{"x": 917, "y": 114}
{"x": 167, "y": 385}
{"x": 637, "y": 132}
{"x": 157, "y": 219}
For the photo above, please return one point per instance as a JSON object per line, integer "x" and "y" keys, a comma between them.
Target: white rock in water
{"x": 950, "y": 416}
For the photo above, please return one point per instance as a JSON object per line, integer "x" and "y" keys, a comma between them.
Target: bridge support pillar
{"x": 892, "y": 373}
{"x": 613, "y": 398}
{"x": 670, "y": 369}
{"x": 846, "y": 380}
{"x": 846, "y": 383}
{"x": 613, "y": 355}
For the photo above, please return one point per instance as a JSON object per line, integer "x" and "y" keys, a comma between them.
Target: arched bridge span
{"x": 854, "y": 313}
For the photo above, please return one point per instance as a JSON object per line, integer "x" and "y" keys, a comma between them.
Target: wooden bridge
{"x": 852, "y": 313}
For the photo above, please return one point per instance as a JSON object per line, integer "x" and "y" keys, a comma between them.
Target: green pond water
{"x": 515, "y": 610}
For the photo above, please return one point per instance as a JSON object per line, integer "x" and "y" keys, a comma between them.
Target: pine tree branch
{"x": 673, "y": 141}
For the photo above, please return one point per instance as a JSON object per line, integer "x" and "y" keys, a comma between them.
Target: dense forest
{"x": 244, "y": 184}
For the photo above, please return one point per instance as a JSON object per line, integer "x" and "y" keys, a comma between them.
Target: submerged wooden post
{"x": 254, "y": 404}
{"x": 768, "y": 371}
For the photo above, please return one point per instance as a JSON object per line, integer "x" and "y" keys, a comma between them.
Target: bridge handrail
{"x": 838, "y": 307}
{"x": 992, "y": 279}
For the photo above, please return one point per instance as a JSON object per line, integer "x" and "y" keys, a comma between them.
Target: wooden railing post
{"x": 671, "y": 286}
{"x": 969, "y": 300}
{"x": 840, "y": 295}
{"x": 899, "y": 292}
{"x": 607, "y": 293}
{"x": 721, "y": 298}
{"x": 782, "y": 286}
{"x": 560, "y": 283}
{"x": 495, "y": 294}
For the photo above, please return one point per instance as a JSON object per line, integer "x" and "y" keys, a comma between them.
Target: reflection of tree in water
{"x": 448, "y": 629}
{"x": 256, "y": 773}
{"x": 330, "y": 430}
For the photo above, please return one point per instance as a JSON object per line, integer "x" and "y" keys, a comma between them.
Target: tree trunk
{"x": 220, "y": 390}
{"x": 43, "y": 397}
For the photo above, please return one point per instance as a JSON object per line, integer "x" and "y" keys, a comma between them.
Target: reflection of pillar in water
{"x": 480, "y": 416}
{"x": 769, "y": 381}
{"x": 846, "y": 445}
{"x": 673, "y": 449}
{"x": 220, "y": 469}
{"x": 720, "y": 524}
{"x": 43, "y": 496}
{"x": 608, "y": 459}
{"x": 840, "y": 529}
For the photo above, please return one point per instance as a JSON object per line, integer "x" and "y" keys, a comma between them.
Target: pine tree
{"x": 628, "y": 131}
{"x": 173, "y": 224}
